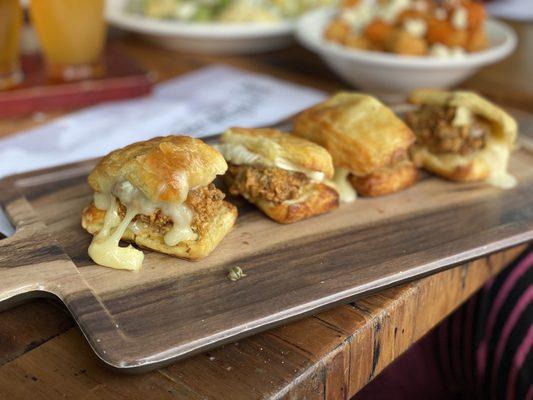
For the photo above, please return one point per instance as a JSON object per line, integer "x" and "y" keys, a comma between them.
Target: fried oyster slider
{"x": 368, "y": 142}
{"x": 281, "y": 174}
{"x": 159, "y": 195}
{"x": 462, "y": 136}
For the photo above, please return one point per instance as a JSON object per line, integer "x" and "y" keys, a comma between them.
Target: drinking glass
{"x": 72, "y": 36}
{"x": 10, "y": 25}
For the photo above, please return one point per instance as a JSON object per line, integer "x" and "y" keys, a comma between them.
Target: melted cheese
{"x": 497, "y": 157}
{"x": 463, "y": 117}
{"x": 495, "y": 154}
{"x": 181, "y": 216}
{"x": 347, "y": 193}
{"x": 104, "y": 249}
{"x": 239, "y": 155}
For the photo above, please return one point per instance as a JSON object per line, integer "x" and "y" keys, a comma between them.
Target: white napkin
{"x": 200, "y": 103}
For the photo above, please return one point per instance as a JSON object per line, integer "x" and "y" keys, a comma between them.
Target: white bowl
{"x": 389, "y": 75}
{"x": 205, "y": 38}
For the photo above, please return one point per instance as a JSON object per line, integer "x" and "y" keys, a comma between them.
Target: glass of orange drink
{"x": 11, "y": 19}
{"x": 72, "y": 36}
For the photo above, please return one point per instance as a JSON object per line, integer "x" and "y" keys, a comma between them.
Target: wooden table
{"x": 330, "y": 355}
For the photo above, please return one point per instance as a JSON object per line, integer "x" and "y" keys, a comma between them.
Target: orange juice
{"x": 10, "y": 25}
{"x": 72, "y": 36}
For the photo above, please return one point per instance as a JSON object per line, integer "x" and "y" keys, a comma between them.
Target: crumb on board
{"x": 235, "y": 274}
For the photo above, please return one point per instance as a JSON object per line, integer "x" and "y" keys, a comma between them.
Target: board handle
{"x": 30, "y": 260}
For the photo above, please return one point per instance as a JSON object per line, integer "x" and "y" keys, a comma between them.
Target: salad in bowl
{"x": 226, "y": 11}
{"x": 212, "y": 26}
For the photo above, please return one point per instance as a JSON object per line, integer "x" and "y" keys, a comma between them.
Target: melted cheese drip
{"x": 347, "y": 193}
{"x": 104, "y": 248}
{"x": 181, "y": 216}
{"x": 497, "y": 156}
{"x": 240, "y": 155}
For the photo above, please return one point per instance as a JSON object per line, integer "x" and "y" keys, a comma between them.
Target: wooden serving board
{"x": 174, "y": 308}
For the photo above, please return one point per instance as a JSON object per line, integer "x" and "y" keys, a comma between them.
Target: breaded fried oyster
{"x": 157, "y": 194}
{"x": 462, "y": 136}
{"x": 281, "y": 174}
{"x": 368, "y": 142}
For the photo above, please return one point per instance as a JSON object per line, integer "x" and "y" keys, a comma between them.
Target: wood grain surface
{"x": 328, "y": 356}
{"x": 174, "y": 308}
{"x": 43, "y": 356}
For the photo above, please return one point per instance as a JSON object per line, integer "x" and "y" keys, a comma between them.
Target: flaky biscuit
{"x": 360, "y": 132}
{"x": 273, "y": 144}
{"x": 163, "y": 168}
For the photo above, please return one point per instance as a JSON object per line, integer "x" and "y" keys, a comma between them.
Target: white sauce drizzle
{"x": 239, "y": 155}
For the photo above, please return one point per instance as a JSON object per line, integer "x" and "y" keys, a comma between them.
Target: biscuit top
{"x": 360, "y": 132}
{"x": 162, "y": 168}
{"x": 504, "y": 127}
{"x": 278, "y": 148}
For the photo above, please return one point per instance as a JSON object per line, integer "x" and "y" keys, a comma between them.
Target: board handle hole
{"x": 6, "y": 226}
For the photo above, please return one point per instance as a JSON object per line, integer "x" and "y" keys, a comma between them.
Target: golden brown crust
{"x": 360, "y": 132}
{"x": 151, "y": 236}
{"x": 386, "y": 180}
{"x": 282, "y": 195}
{"x": 322, "y": 198}
{"x": 274, "y": 144}
{"x": 454, "y": 167}
{"x": 163, "y": 168}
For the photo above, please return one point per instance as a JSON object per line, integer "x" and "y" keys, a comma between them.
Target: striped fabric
{"x": 482, "y": 351}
